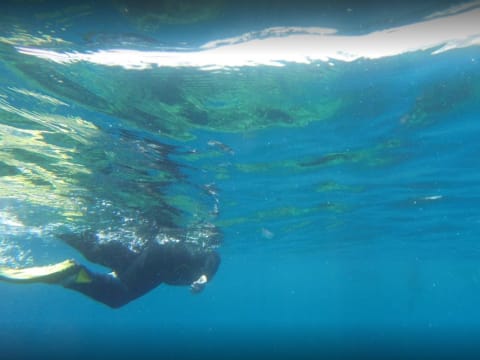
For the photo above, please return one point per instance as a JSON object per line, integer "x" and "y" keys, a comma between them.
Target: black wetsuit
{"x": 173, "y": 263}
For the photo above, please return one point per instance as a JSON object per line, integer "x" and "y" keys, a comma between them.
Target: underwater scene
{"x": 219, "y": 179}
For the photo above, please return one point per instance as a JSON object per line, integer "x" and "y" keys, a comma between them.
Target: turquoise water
{"x": 341, "y": 172}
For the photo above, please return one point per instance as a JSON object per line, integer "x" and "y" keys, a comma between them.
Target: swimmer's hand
{"x": 198, "y": 285}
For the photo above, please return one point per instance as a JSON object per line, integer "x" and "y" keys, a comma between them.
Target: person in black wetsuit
{"x": 134, "y": 274}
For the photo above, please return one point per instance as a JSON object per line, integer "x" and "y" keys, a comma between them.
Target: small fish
{"x": 267, "y": 234}
{"x": 221, "y": 146}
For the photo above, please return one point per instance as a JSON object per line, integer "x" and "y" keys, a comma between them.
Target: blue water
{"x": 355, "y": 233}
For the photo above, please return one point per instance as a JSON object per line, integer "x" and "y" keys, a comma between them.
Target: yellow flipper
{"x": 54, "y": 273}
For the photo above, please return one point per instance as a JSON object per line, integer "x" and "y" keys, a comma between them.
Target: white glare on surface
{"x": 278, "y": 46}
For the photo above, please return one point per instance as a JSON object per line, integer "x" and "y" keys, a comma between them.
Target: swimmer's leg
{"x": 111, "y": 254}
{"x": 105, "y": 288}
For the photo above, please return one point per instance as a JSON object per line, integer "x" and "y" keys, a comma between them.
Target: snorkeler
{"x": 134, "y": 274}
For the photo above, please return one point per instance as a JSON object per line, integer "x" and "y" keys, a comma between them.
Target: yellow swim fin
{"x": 55, "y": 273}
